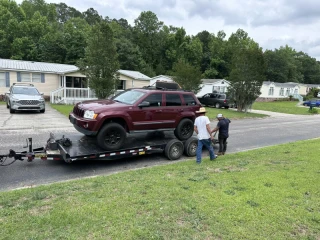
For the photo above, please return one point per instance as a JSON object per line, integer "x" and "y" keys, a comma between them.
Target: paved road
{"x": 15, "y": 128}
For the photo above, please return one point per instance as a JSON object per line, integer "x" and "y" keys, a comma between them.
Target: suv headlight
{"x": 14, "y": 100}
{"x": 90, "y": 114}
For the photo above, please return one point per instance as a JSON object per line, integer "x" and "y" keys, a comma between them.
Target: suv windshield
{"x": 25, "y": 91}
{"x": 129, "y": 97}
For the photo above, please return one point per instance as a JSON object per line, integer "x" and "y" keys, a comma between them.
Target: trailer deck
{"x": 85, "y": 148}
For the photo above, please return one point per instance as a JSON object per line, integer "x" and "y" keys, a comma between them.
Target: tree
{"x": 247, "y": 76}
{"x": 187, "y": 76}
{"x": 100, "y": 63}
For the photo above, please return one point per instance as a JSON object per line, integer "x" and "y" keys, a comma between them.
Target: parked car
{"x": 136, "y": 110}
{"x": 217, "y": 100}
{"x": 24, "y": 97}
{"x": 314, "y": 102}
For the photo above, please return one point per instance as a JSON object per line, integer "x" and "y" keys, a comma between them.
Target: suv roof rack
{"x": 24, "y": 84}
{"x": 167, "y": 86}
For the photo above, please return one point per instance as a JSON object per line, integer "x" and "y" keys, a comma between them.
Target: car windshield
{"x": 25, "y": 91}
{"x": 129, "y": 97}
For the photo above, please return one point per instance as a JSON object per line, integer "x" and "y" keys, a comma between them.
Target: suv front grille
{"x": 28, "y": 102}
{"x": 78, "y": 111}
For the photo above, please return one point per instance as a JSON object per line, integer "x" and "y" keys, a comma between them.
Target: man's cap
{"x": 201, "y": 110}
{"x": 219, "y": 115}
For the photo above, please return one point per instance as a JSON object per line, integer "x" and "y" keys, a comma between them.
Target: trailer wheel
{"x": 190, "y": 147}
{"x": 173, "y": 149}
{"x": 184, "y": 129}
{"x": 111, "y": 137}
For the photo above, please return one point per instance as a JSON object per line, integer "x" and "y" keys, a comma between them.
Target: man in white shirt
{"x": 202, "y": 128}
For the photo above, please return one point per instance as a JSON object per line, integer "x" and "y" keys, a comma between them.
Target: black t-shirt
{"x": 223, "y": 126}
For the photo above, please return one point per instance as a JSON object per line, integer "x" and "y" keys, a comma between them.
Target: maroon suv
{"x": 136, "y": 110}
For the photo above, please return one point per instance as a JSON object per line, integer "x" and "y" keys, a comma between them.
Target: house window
{"x": 121, "y": 85}
{"x": 2, "y": 79}
{"x": 281, "y": 91}
{"x": 223, "y": 89}
{"x": 69, "y": 82}
{"x": 296, "y": 91}
{"x": 217, "y": 88}
{"x": 36, "y": 77}
{"x": 288, "y": 92}
{"x": 76, "y": 82}
{"x": 25, "y": 77}
{"x": 271, "y": 89}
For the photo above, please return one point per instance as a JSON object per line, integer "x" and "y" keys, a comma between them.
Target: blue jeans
{"x": 208, "y": 144}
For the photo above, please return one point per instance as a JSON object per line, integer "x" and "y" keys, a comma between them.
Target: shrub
{"x": 313, "y": 110}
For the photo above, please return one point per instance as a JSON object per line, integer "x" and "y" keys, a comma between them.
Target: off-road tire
{"x": 174, "y": 149}
{"x": 184, "y": 129}
{"x": 111, "y": 136}
{"x": 190, "y": 147}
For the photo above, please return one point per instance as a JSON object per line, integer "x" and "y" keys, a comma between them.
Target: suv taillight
{"x": 225, "y": 101}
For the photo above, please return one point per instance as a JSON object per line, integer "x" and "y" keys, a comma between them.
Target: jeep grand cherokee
{"x": 136, "y": 110}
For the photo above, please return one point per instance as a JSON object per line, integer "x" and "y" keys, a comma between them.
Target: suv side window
{"x": 173, "y": 100}
{"x": 222, "y": 96}
{"x": 189, "y": 100}
{"x": 155, "y": 100}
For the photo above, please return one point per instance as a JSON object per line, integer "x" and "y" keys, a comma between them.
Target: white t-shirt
{"x": 201, "y": 123}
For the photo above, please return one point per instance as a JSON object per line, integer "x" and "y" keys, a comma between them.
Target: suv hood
{"x": 99, "y": 106}
{"x": 27, "y": 97}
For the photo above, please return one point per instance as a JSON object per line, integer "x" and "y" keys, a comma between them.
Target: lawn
{"x": 64, "y": 109}
{"x": 269, "y": 193}
{"x": 281, "y": 107}
{"x": 211, "y": 112}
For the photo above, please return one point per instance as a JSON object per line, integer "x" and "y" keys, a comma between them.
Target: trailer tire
{"x": 190, "y": 147}
{"x": 184, "y": 129}
{"x": 174, "y": 149}
{"x": 111, "y": 137}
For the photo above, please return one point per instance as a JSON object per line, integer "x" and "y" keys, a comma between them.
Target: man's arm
{"x": 208, "y": 128}
{"x": 214, "y": 130}
{"x": 196, "y": 129}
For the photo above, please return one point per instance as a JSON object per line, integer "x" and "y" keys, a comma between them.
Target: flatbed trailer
{"x": 81, "y": 147}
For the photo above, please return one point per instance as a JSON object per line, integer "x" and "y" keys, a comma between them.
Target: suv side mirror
{"x": 144, "y": 104}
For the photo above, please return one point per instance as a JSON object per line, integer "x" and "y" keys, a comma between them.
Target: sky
{"x": 271, "y": 23}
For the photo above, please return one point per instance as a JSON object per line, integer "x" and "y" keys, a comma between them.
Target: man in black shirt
{"x": 223, "y": 128}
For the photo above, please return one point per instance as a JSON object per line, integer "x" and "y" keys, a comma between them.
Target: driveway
{"x": 245, "y": 134}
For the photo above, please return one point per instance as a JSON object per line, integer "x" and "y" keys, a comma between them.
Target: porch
{"x": 76, "y": 89}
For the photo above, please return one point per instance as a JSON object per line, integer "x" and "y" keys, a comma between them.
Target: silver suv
{"x": 24, "y": 97}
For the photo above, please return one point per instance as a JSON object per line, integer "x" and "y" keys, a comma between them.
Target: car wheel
{"x": 226, "y": 107}
{"x": 217, "y": 105}
{"x": 173, "y": 149}
{"x": 190, "y": 147}
{"x": 42, "y": 111}
{"x": 111, "y": 137}
{"x": 12, "y": 110}
{"x": 184, "y": 129}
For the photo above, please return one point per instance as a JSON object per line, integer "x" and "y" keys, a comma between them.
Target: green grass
{"x": 2, "y": 103}
{"x": 211, "y": 112}
{"x": 270, "y": 193}
{"x": 64, "y": 109}
{"x": 281, "y": 107}
{"x": 231, "y": 114}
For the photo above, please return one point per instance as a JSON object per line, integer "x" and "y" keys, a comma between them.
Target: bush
{"x": 313, "y": 110}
